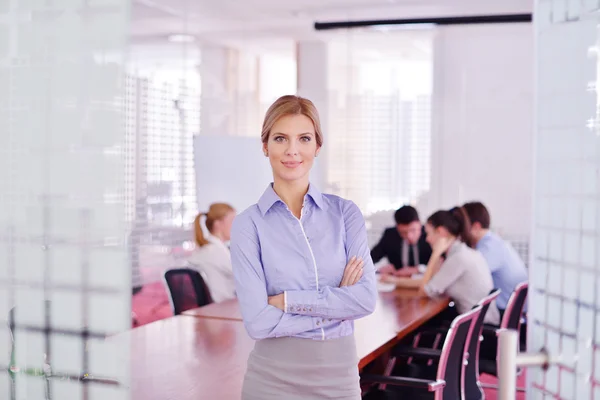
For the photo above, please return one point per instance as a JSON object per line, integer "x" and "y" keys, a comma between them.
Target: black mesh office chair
{"x": 187, "y": 289}
{"x": 472, "y": 386}
{"x": 473, "y": 389}
{"x": 447, "y": 380}
{"x": 511, "y": 320}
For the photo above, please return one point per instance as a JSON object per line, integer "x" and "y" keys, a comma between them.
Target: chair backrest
{"x": 514, "y": 308}
{"x": 186, "y": 289}
{"x": 473, "y": 389}
{"x": 454, "y": 356}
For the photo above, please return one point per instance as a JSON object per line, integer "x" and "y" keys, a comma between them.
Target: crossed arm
{"x": 306, "y": 310}
{"x": 352, "y": 274}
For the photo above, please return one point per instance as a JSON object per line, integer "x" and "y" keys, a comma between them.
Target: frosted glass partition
{"x": 564, "y": 302}
{"x": 65, "y": 280}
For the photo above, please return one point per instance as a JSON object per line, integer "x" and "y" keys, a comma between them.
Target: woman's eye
{"x": 305, "y": 138}
{"x": 279, "y": 138}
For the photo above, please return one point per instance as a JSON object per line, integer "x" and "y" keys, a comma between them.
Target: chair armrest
{"x": 421, "y": 352}
{"x": 416, "y": 383}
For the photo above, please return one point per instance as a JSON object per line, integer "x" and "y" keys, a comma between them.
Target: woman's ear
{"x": 265, "y": 151}
{"x": 318, "y": 151}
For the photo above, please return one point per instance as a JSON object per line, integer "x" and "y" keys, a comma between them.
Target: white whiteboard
{"x": 230, "y": 169}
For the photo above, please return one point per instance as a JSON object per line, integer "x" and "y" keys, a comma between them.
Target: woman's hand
{"x": 442, "y": 245}
{"x": 353, "y": 271}
{"x": 277, "y": 301}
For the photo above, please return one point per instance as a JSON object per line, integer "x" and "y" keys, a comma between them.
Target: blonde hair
{"x": 291, "y": 105}
{"x": 216, "y": 211}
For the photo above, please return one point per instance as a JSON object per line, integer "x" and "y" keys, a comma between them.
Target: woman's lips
{"x": 291, "y": 164}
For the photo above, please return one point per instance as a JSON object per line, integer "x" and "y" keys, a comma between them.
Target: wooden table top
{"x": 397, "y": 314}
{"x": 228, "y": 309}
{"x": 205, "y": 356}
{"x": 183, "y": 358}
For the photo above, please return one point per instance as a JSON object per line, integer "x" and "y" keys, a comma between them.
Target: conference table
{"x": 203, "y": 352}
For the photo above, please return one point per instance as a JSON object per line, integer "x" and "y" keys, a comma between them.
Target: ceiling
{"x": 236, "y": 21}
{"x": 274, "y": 25}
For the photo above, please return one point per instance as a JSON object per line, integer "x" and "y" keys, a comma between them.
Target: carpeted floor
{"x": 152, "y": 304}
{"x": 491, "y": 394}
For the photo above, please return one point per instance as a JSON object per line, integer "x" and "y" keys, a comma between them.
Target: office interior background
{"x": 120, "y": 120}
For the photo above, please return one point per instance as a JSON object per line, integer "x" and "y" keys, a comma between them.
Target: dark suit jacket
{"x": 390, "y": 246}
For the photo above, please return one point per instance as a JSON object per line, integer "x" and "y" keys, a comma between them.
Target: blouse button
{"x": 318, "y": 322}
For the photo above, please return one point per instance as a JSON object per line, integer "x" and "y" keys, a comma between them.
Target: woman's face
{"x": 435, "y": 234}
{"x": 291, "y": 148}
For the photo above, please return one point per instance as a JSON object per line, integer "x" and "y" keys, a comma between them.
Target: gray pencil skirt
{"x": 302, "y": 369}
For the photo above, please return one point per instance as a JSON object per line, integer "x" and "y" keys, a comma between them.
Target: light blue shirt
{"x": 507, "y": 268}
{"x": 273, "y": 252}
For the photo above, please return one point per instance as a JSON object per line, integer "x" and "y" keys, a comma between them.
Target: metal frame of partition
{"x": 509, "y": 359}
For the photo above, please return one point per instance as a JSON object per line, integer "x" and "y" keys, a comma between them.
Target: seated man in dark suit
{"x": 404, "y": 245}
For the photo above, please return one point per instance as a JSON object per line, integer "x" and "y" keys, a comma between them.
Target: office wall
{"x": 564, "y": 302}
{"x": 63, "y": 256}
{"x": 482, "y": 122}
{"x": 231, "y": 169}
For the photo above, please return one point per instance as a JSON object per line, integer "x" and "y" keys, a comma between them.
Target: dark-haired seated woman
{"x": 454, "y": 269}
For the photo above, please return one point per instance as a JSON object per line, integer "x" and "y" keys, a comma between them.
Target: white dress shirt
{"x": 213, "y": 261}
{"x": 405, "y": 256}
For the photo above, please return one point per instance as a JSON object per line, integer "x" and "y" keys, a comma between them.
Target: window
{"x": 380, "y": 112}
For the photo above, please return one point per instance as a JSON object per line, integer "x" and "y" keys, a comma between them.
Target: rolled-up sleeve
{"x": 260, "y": 319}
{"x": 348, "y": 302}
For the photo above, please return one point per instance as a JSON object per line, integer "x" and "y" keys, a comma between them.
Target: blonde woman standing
{"x": 303, "y": 270}
{"x": 211, "y": 256}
